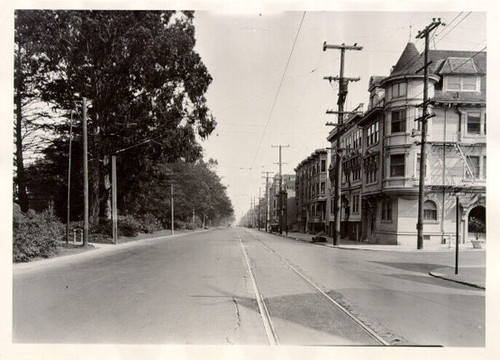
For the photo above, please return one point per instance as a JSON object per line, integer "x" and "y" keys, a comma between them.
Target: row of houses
{"x": 379, "y": 152}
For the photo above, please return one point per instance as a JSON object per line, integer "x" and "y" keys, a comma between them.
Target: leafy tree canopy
{"x": 144, "y": 83}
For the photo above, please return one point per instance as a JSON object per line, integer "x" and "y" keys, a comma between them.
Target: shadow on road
{"x": 426, "y": 279}
{"x": 411, "y": 266}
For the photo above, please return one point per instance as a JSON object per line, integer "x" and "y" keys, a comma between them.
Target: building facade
{"x": 381, "y": 152}
{"x": 311, "y": 187}
{"x": 284, "y": 204}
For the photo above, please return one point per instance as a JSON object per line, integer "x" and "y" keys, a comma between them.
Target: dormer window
{"x": 462, "y": 83}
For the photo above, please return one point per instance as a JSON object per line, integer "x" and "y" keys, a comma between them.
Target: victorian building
{"x": 381, "y": 152}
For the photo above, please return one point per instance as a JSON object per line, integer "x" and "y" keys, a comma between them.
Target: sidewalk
{"x": 102, "y": 249}
{"x": 472, "y": 276}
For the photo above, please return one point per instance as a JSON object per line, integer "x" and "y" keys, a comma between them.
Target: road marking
{"x": 272, "y": 337}
{"x": 328, "y": 297}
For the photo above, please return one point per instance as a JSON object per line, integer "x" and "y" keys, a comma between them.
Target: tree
{"x": 143, "y": 80}
{"x": 196, "y": 187}
{"x": 477, "y": 226}
{"x": 29, "y": 114}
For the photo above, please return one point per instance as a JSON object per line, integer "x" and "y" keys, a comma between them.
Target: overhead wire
{"x": 279, "y": 88}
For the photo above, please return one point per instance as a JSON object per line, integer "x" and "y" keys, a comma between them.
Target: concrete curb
{"x": 444, "y": 277}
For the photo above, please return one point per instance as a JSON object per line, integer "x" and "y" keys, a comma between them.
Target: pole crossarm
{"x": 344, "y": 112}
{"x": 423, "y": 67}
{"x": 343, "y": 46}
{"x": 423, "y": 33}
{"x": 426, "y": 103}
{"x": 337, "y": 78}
{"x": 423, "y": 118}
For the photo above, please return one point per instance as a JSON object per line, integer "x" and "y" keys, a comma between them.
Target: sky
{"x": 264, "y": 94}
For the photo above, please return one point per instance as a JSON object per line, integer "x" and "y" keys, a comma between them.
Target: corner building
{"x": 381, "y": 153}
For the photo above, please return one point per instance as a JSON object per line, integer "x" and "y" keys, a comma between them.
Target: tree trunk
{"x": 22, "y": 195}
{"x": 107, "y": 187}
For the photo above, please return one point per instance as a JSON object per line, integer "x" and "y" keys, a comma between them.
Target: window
{"x": 323, "y": 165}
{"x": 387, "y": 210}
{"x": 398, "y": 90}
{"x": 418, "y": 121}
{"x": 372, "y": 134}
{"x": 397, "y": 165}
{"x": 430, "y": 210}
{"x": 473, "y": 162}
{"x": 355, "y": 204}
{"x": 371, "y": 176}
{"x": 469, "y": 83}
{"x": 484, "y": 167}
{"x": 398, "y": 121}
{"x": 453, "y": 83}
{"x": 356, "y": 174}
{"x": 474, "y": 123}
{"x": 462, "y": 83}
{"x": 357, "y": 139}
{"x": 322, "y": 188}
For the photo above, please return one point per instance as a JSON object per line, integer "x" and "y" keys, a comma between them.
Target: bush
{"x": 150, "y": 224}
{"x": 35, "y": 235}
{"x": 183, "y": 225}
{"x": 128, "y": 226}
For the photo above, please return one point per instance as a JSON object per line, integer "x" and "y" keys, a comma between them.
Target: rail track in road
{"x": 271, "y": 332}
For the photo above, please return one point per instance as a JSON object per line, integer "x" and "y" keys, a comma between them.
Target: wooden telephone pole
{"x": 343, "y": 82}
{"x": 421, "y": 183}
{"x": 267, "y": 197}
{"x": 280, "y": 195}
{"x": 85, "y": 175}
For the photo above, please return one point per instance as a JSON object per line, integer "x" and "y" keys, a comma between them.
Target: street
{"x": 241, "y": 286}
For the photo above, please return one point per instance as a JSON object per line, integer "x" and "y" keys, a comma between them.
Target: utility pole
{"x": 457, "y": 232}
{"x": 421, "y": 183}
{"x": 267, "y": 196}
{"x": 172, "y": 208}
{"x": 251, "y": 212}
{"x": 254, "y": 213}
{"x": 85, "y": 175}
{"x": 343, "y": 83}
{"x": 280, "y": 186}
{"x": 114, "y": 210}
{"x": 69, "y": 177}
{"x": 258, "y": 221}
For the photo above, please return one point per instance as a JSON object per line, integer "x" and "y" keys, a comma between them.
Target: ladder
{"x": 465, "y": 162}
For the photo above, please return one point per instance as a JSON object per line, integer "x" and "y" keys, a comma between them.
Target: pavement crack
{"x": 237, "y": 312}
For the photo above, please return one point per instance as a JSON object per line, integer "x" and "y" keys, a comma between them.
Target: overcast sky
{"x": 247, "y": 54}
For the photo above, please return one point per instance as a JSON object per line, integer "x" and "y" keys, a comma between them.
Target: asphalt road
{"x": 207, "y": 287}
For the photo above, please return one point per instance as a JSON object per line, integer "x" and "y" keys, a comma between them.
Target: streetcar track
{"x": 332, "y": 301}
{"x": 272, "y": 337}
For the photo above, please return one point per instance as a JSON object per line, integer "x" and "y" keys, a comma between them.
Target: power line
{"x": 449, "y": 24}
{"x": 279, "y": 88}
{"x": 451, "y": 29}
